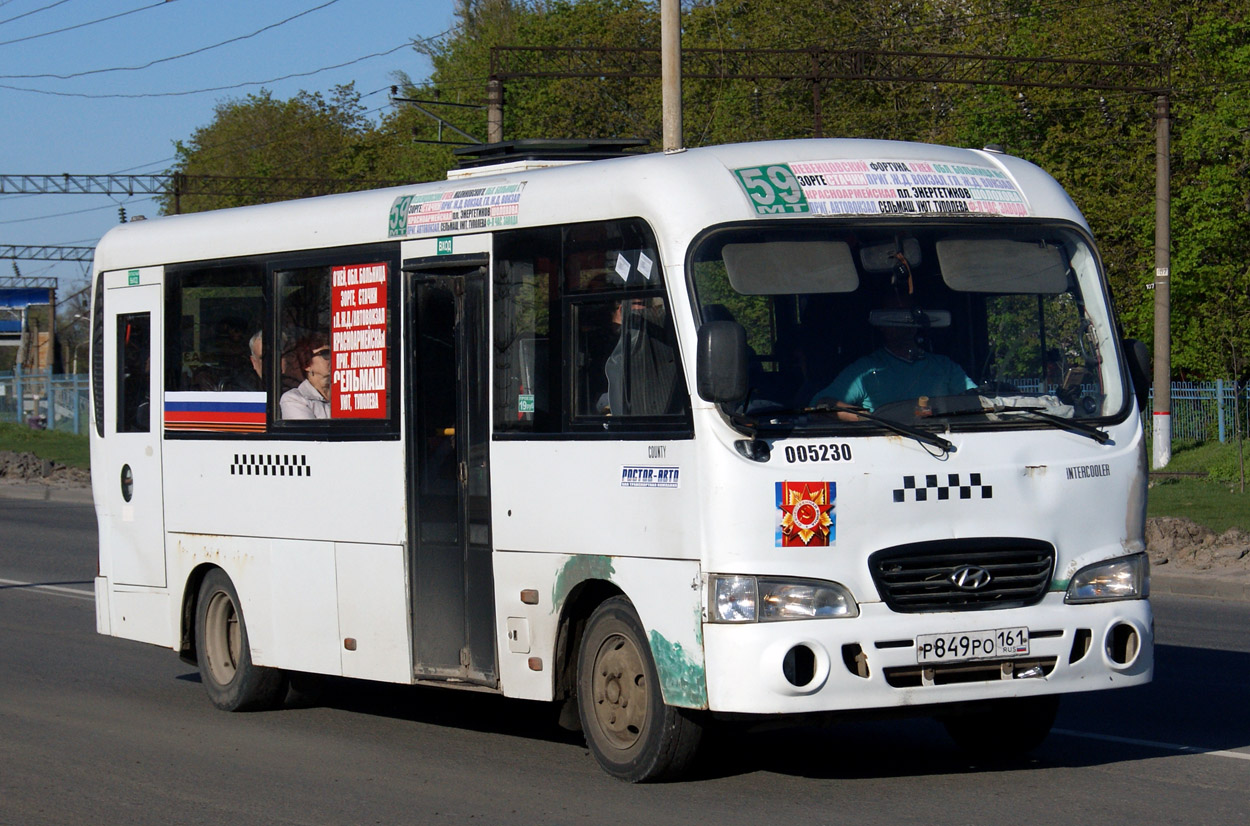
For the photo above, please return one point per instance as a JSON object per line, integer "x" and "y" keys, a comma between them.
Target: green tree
{"x": 1099, "y": 145}
{"x": 1211, "y": 194}
{"x": 306, "y": 137}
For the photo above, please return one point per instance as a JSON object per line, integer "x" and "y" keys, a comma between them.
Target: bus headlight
{"x": 767, "y": 599}
{"x": 1127, "y": 577}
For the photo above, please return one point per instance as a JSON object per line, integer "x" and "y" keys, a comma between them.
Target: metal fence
{"x": 46, "y": 400}
{"x": 1201, "y": 411}
{"x": 1205, "y": 411}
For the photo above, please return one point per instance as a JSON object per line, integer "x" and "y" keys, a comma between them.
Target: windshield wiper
{"x": 970, "y": 409}
{"x": 889, "y": 424}
{"x": 1071, "y": 425}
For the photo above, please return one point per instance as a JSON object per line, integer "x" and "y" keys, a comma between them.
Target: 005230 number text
{"x": 818, "y": 453}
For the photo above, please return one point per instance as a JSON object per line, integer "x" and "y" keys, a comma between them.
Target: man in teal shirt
{"x": 898, "y": 371}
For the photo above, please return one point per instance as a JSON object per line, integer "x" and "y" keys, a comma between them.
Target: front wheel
{"x": 1003, "y": 729}
{"x": 629, "y": 729}
{"x": 221, "y": 648}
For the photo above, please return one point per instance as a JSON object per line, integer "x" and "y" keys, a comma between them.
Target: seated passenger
{"x": 641, "y": 369}
{"x": 250, "y": 378}
{"x": 311, "y": 399}
{"x": 898, "y": 371}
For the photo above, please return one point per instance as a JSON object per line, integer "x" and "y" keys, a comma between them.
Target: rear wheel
{"x": 221, "y": 647}
{"x": 1003, "y": 729}
{"x": 629, "y": 729}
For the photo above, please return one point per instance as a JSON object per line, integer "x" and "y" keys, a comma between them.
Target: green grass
{"x": 56, "y": 445}
{"x": 1216, "y": 500}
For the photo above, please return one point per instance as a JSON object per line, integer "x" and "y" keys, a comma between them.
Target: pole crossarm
{"x": 83, "y": 184}
{"x": 23, "y": 282}
{"x": 819, "y": 64}
{"x": 21, "y": 252}
{"x": 182, "y": 184}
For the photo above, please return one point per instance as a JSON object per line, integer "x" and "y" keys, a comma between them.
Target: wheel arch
{"x": 580, "y": 603}
{"x": 190, "y": 597}
{"x": 673, "y": 625}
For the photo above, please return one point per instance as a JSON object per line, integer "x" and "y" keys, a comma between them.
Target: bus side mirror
{"x": 1139, "y": 370}
{"x": 721, "y": 362}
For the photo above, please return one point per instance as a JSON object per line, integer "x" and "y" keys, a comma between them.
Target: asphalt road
{"x": 111, "y": 731}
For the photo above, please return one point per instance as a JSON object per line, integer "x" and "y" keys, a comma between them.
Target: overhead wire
{"x": 151, "y": 63}
{"x": 32, "y": 11}
{"x": 84, "y": 25}
{"x": 242, "y": 85}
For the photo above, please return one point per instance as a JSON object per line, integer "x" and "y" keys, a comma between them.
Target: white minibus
{"x": 751, "y": 432}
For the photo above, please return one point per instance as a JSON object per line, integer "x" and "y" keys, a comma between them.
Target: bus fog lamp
{"x": 1127, "y": 577}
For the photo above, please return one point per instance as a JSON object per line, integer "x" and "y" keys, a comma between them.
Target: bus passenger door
{"x": 134, "y": 545}
{"x": 449, "y": 471}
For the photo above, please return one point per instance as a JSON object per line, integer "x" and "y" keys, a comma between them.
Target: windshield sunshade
{"x": 778, "y": 267}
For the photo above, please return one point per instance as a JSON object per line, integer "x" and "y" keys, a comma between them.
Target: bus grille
{"x": 963, "y": 575}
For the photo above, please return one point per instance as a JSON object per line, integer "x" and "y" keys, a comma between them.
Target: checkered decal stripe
{"x": 938, "y": 486}
{"x": 269, "y": 464}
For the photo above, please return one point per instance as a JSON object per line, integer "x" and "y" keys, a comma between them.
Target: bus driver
{"x": 900, "y": 369}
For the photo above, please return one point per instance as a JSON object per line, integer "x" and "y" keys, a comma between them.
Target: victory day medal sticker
{"x": 805, "y": 514}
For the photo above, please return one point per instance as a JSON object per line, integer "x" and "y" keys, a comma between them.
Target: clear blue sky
{"x": 125, "y": 122}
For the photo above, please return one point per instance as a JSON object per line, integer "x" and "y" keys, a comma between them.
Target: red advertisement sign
{"x": 358, "y": 378}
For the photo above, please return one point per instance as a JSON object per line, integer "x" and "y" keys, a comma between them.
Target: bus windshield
{"x": 986, "y": 324}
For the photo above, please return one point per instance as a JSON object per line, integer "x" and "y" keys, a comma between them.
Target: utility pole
{"x": 1162, "y": 424}
{"x": 494, "y": 111}
{"x": 670, "y": 73}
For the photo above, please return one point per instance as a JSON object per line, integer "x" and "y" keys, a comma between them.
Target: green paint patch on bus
{"x": 682, "y": 678}
{"x": 577, "y": 570}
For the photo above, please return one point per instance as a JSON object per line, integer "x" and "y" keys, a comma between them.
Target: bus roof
{"x": 679, "y": 193}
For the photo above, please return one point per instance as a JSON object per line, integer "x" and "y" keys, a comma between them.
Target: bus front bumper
{"x": 875, "y": 661}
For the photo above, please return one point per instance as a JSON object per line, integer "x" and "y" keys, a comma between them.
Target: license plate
{"x": 965, "y": 646}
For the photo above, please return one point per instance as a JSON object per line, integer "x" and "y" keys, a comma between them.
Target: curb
{"x": 1210, "y": 585}
{"x": 47, "y": 493}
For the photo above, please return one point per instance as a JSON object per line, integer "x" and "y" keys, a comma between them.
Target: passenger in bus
{"x": 292, "y": 375}
{"x": 642, "y": 367}
{"x": 901, "y": 369}
{"x": 311, "y": 399}
{"x": 251, "y": 378}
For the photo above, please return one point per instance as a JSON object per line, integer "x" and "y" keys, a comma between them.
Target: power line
{"x": 71, "y": 212}
{"x": 242, "y": 85}
{"x": 84, "y": 25}
{"x": 33, "y": 11}
{"x": 151, "y": 63}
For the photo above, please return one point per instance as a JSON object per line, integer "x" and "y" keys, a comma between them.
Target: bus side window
{"x": 217, "y": 312}
{"x": 134, "y": 405}
{"x": 582, "y": 333}
{"x": 524, "y": 280}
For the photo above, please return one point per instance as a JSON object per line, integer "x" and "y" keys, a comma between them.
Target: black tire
{"x": 1003, "y": 729}
{"x": 221, "y": 648}
{"x": 628, "y": 728}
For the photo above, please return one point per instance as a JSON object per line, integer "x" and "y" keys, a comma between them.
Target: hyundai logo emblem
{"x": 970, "y": 578}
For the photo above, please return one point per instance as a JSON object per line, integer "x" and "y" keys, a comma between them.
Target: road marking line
{"x": 1154, "y": 744}
{"x": 56, "y": 590}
